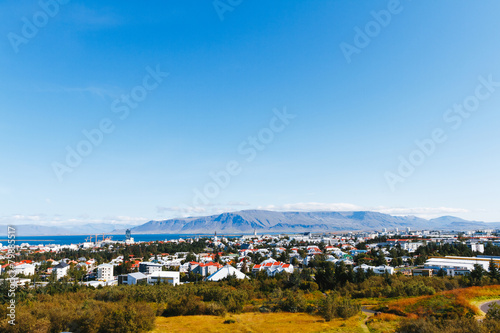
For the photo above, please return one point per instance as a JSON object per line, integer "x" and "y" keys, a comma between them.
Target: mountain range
{"x": 266, "y": 221}
{"x": 270, "y": 221}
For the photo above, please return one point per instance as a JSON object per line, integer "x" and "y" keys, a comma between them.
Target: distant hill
{"x": 84, "y": 229}
{"x": 268, "y": 221}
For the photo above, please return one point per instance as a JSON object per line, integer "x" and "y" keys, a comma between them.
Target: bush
{"x": 215, "y": 309}
{"x": 188, "y": 305}
{"x": 493, "y": 312}
{"x": 308, "y": 286}
{"x": 292, "y": 302}
{"x": 335, "y": 306}
{"x": 431, "y": 325}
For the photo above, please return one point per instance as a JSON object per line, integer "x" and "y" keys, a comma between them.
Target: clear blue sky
{"x": 354, "y": 116}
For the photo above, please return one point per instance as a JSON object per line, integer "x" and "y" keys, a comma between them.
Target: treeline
{"x": 78, "y": 312}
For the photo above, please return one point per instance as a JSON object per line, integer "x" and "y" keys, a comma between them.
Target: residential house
{"x": 226, "y": 272}
{"x": 26, "y": 269}
{"x": 60, "y": 270}
{"x": 422, "y": 272}
{"x": 207, "y": 269}
{"x": 272, "y": 267}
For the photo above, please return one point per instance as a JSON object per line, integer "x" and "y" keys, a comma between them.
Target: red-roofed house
{"x": 273, "y": 268}
{"x": 207, "y": 269}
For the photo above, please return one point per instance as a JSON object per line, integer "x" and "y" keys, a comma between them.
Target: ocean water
{"x": 77, "y": 239}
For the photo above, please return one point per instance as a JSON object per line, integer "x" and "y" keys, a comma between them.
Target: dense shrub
{"x": 60, "y": 313}
{"x": 334, "y": 306}
{"x": 431, "y": 325}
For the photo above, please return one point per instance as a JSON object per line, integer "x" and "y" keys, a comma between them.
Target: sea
{"x": 78, "y": 239}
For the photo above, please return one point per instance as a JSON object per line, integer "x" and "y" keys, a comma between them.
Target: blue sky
{"x": 224, "y": 70}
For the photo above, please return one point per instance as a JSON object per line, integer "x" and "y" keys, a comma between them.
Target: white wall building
{"x": 105, "y": 272}
{"x": 225, "y": 272}
{"x": 458, "y": 264}
{"x": 164, "y": 277}
{"x": 25, "y": 269}
{"x": 149, "y": 267}
{"x": 476, "y": 247}
{"x": 132, "y": 278}
{"x": 376, "y": 269}
{"x": 60, "y": 270}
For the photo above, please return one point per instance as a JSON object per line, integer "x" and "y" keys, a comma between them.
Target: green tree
{"x": 493, "y": 270}
{"x": 380, "y": 259}
{"x": 190, "y": 257}
{"x": 477, "y": 274}
{"x": 441, "y": 273}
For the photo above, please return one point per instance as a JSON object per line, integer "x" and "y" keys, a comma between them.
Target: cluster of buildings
{"x": 271, "y": 254}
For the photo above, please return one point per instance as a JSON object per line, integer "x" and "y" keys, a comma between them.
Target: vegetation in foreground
{"x": 327, "y": 291}
{"x": 449, "y": 311}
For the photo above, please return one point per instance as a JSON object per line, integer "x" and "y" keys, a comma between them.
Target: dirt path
{"x": 368, "y": 314}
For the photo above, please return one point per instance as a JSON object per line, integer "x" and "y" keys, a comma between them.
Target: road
{"x": 485, "y": 306}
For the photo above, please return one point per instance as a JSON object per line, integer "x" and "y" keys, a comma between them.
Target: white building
{"x": 411, "y": 246}
{"x": 25, "y": 269}
{"x": 105, "y": 272}
{"x": 205, "y": 269}
{"x": 376, "y": 269}
{"x": 476, "y": 247}
{"x": 60, "y": 270}
{"x": 149, "y": 267}
{"x": 164, "y": 277}
{"x": 457, "y": 264}
{"x": 96, "y": 284}
{"x": 132, "y": 278}
{"x": 225, "y": 272}
{"x": 273, "y": 267}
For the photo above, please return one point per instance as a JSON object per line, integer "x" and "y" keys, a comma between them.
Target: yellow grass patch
{"x": 386, "y": 317}
{"x": 258, "y": 322}
{"x": 443, "y": 302}
{"x": 383, "y": 323}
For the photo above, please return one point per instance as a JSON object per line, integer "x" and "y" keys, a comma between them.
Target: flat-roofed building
{"x": 422, "y": 272}
{"x": 458, "y": 264}
{"x": 164, "y": 277}
{"x": 105, "y": 272}
{"x": 149, "y": 267}
{"x": 132, "y": 278}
